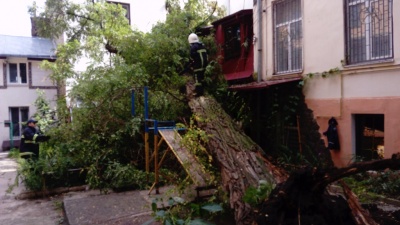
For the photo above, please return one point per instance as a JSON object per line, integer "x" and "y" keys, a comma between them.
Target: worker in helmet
{"x": 28, "y": 139}
{"x": 198, "y": 62}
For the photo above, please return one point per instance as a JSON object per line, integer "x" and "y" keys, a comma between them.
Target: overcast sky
{"x": 15, "y": 19}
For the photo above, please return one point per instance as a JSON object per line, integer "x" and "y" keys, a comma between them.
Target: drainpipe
{"x": 259, "y": 67}
{"x": 259, "y": 41}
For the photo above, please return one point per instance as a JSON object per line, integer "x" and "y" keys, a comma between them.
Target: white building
{"x": 20, "y": 77}
{"x": 361, "y": 38}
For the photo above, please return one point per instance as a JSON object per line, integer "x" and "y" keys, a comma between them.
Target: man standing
{"x": 198, "y": 62}
{"x": 28, "y": 139}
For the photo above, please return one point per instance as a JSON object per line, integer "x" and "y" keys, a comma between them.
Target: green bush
{"x": 386, "y": 183}
{"x": 125, "y": 177}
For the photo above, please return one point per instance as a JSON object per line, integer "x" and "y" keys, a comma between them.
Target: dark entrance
{"x": 369, "y": 132}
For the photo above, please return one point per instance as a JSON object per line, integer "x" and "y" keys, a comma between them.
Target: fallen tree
{"x": 301, "y": 198}
{"x": 242, "y": 162}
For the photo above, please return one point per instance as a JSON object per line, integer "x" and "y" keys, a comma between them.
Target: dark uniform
{"x": 198, "y": 62}
{"x": 332, "y": 134}
{"x": 28, "y": 140}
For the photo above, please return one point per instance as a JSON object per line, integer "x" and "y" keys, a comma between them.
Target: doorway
{"x": 369, "y": 135}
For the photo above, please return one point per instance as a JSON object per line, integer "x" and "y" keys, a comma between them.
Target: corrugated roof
{"x": 30, "y": 47}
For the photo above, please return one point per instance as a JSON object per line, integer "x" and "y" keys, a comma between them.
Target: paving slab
{"x": 113, "y": 208}
{"x": 125, "y": 208}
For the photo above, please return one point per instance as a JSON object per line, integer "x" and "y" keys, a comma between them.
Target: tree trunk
{"x": 303, "y": 199}
{"x": 242, "y": 161}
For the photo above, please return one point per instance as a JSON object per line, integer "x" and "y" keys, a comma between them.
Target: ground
{"x": 49, "y": 211}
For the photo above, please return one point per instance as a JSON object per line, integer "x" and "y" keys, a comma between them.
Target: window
{"x": 288, "y": 36}
{"x": 18, "y": 115}
{"x": 368, "y": 30}
{"x": 232, "y": 41}
{"x": 125, "y": 6}
{"x": 17, "y": 73}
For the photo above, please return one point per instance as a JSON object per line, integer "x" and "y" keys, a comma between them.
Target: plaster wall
{"x": 20, "y": 95}
{"x": 371, "y": 88}
{"x": 233, "y": 6}
{"x": 40, "y": 77}
{"x": 345, "y": 111}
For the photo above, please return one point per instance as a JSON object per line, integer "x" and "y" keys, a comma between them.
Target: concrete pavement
{"x": 76, "y": 208}
{"x": 23, "y": 212}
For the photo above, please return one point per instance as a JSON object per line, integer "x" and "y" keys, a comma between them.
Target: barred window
{"x": 288, "y": 45}
{"x": 369, "y": 30}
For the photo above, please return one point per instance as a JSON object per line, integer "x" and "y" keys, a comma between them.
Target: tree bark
{"x": 361, "y": 216}
{"x": 241, "y": 160}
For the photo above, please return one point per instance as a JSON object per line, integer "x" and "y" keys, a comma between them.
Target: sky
{"x": 144, "y": 14}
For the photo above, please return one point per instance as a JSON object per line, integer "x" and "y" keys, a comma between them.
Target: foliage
{"x": 96, "y": 132}
{"x": 44, "y": 114}
{"x": 125, "y": 176}
{"x": 323, "y": 74}
{"x": 195, "y": 140}
{"x": 256, "y": 195}
{"x": 13, "y": 153}
{"x": 180, "y": 212}
{"x": 370, "y": 184}
{"x": 50, "y": 170}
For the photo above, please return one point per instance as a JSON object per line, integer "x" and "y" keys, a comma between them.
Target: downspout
{"x": 259, "y": 67}
{"x": 259, "y": 41}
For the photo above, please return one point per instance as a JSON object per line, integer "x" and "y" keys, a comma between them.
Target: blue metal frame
{"x": 156, "y": 123}
{"x": 133, "y": 102}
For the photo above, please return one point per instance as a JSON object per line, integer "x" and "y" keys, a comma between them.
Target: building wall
{"x": 22, "y": 95}
{"x": 358, "y": 89}
{"x": 40, "y": 77}
{"x": 233, "y": 6}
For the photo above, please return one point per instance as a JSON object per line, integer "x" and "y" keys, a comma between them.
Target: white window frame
{"x": 19, "y": 79}
{"x": 368, "y": 26}
{"x": 288, "y": 24}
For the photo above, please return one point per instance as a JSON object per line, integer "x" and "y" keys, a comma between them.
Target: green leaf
{"x": 160, "y": 214}
{"x": 199, "y": 222}
{"x": 212, "y": 208}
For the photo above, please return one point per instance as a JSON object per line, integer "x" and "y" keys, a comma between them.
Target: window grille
{"x": 288, "y": 47}
{"x": 369, "y": 30}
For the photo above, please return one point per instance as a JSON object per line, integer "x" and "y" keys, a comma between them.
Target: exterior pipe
{"x": 259, "y": 40}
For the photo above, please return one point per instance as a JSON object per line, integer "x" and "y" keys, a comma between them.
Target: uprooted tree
{"x": 299, "y": 198}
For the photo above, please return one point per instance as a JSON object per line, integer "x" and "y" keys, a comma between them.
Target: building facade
{"x": 347, "y": 52}
{"x": 20, "y": 78}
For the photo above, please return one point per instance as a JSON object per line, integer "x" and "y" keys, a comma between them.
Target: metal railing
{"x": 11, "y": 126}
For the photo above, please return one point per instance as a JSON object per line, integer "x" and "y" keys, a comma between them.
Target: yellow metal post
{"x": 156, "y": 162}
{"x": 147, "y": 154}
